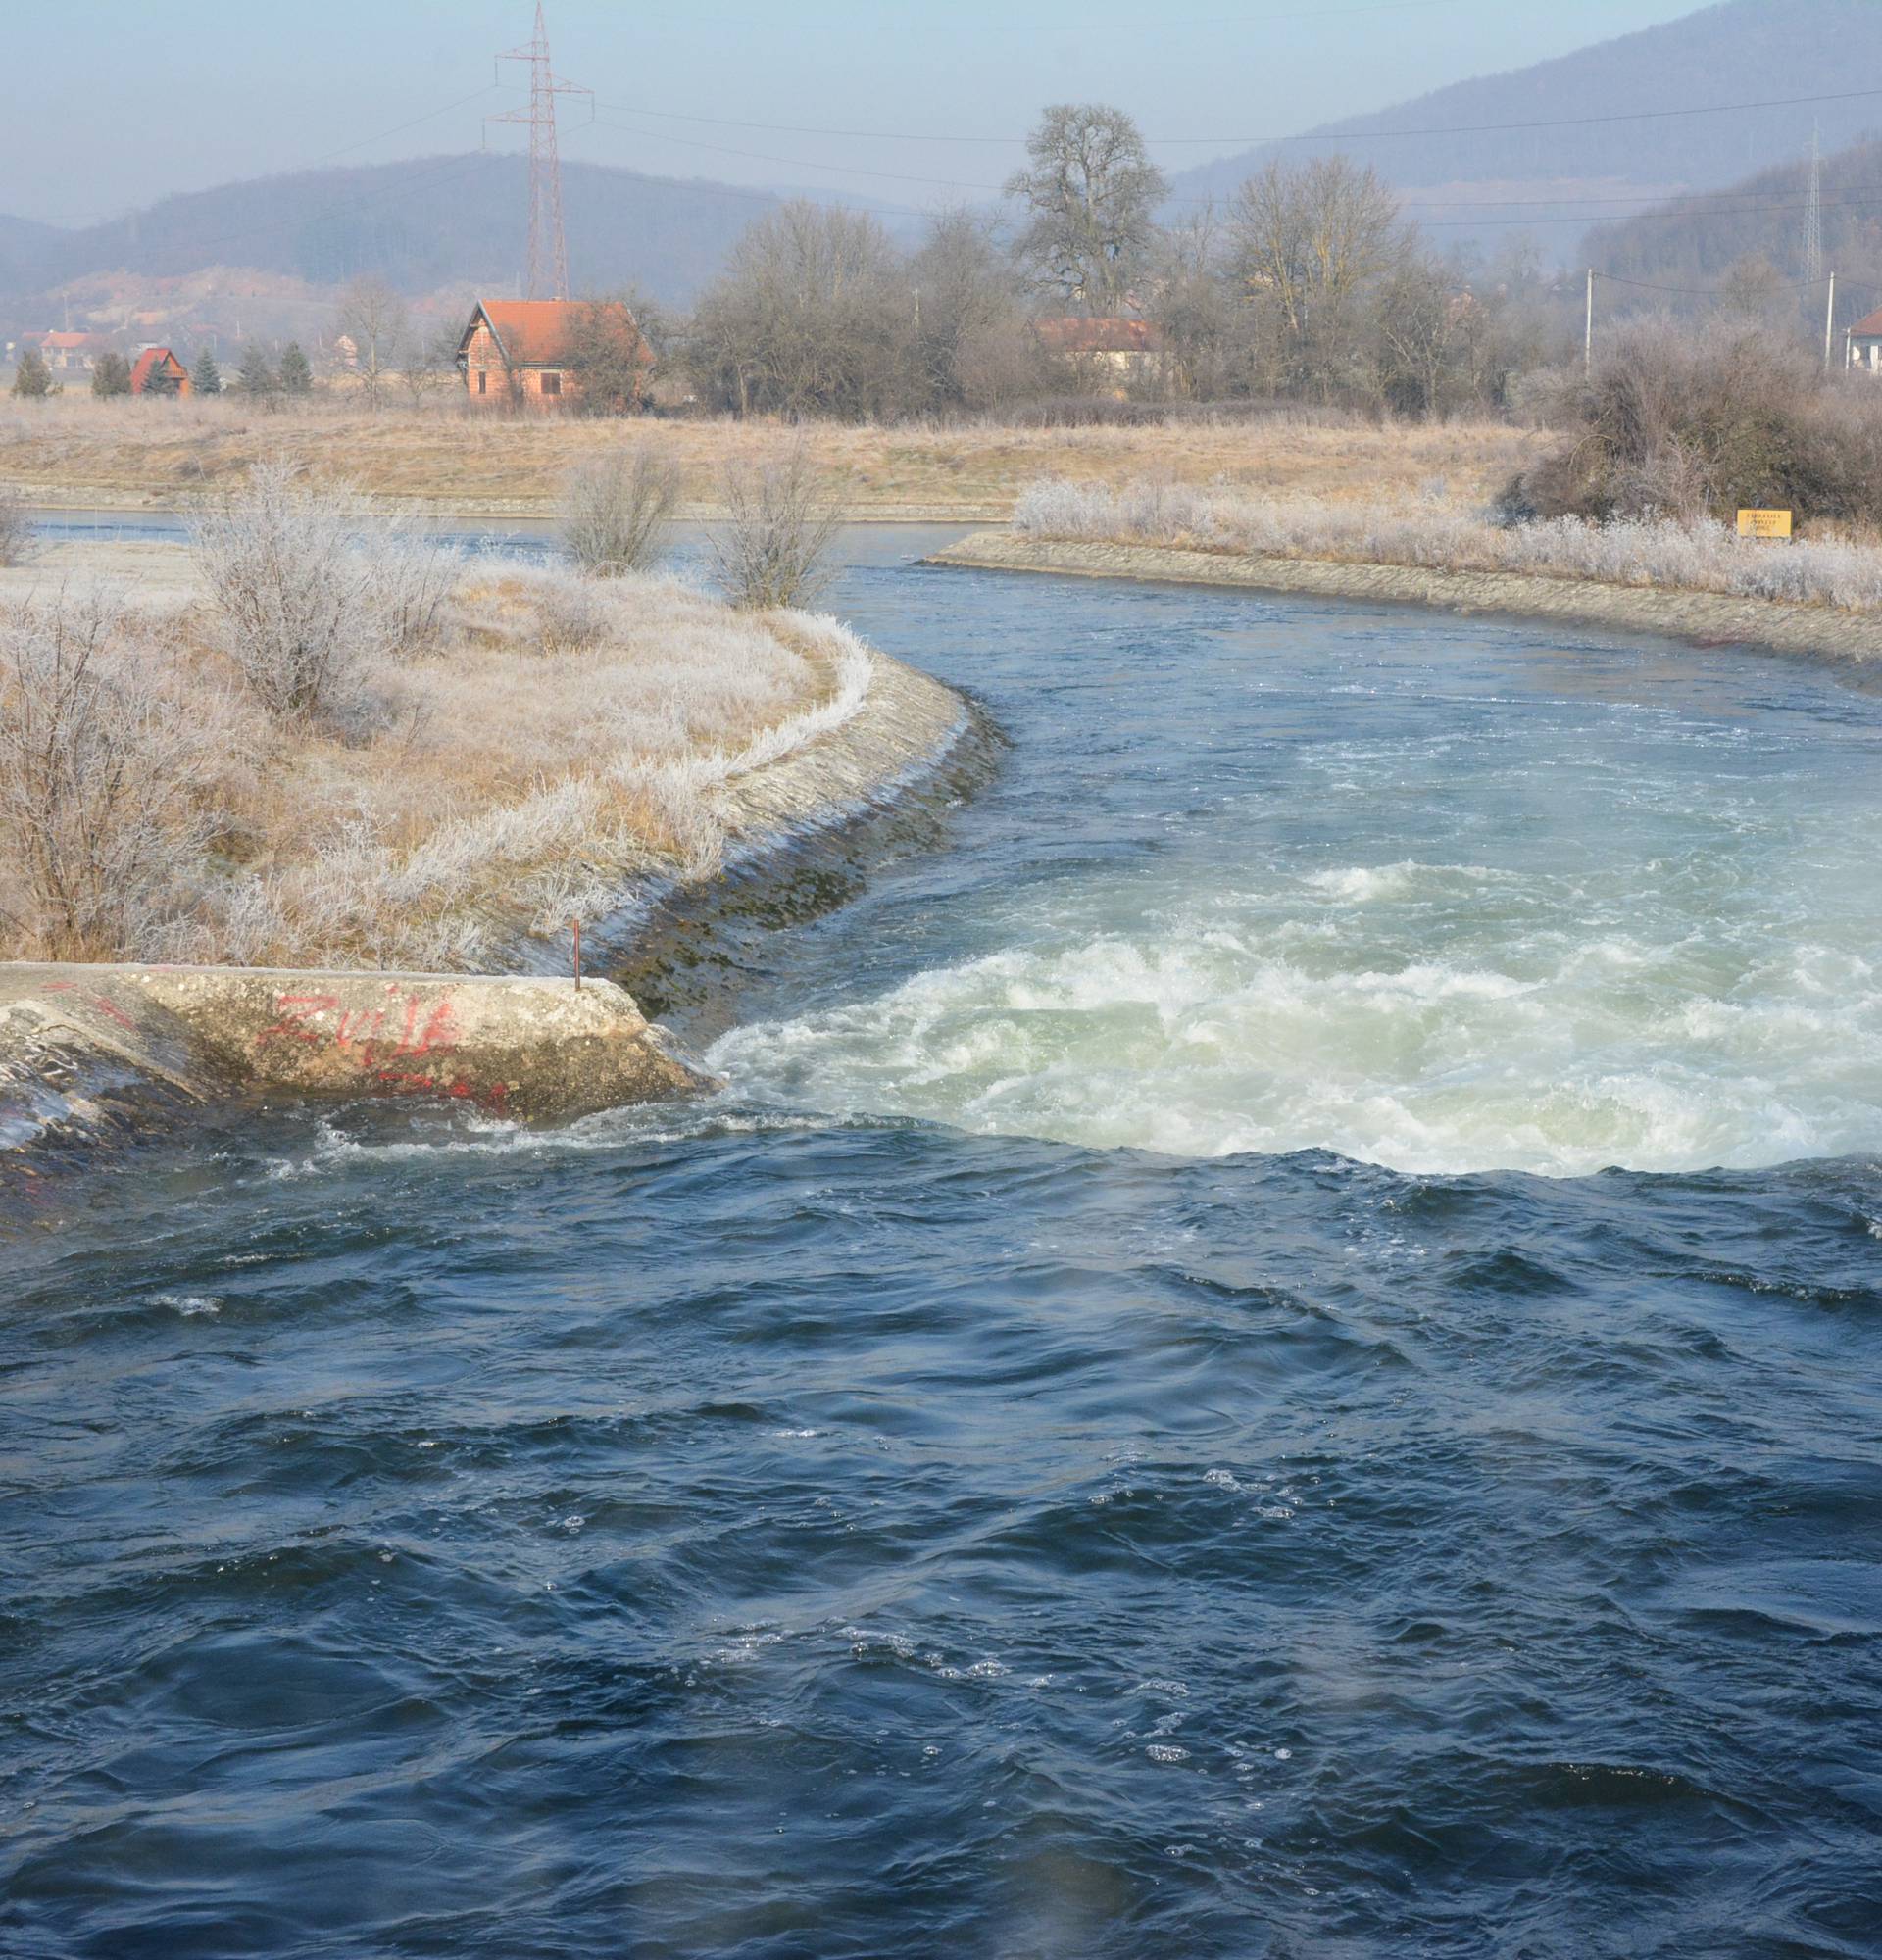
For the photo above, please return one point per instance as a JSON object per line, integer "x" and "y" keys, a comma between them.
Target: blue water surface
{"x": 752, "y": 1531}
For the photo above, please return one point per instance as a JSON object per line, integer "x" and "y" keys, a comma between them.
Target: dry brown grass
{"x": 561, "y": 740}
{"x": 74, "y": 449}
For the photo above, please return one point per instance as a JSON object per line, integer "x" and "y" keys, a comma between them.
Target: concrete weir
{"x": 86, "y": 1049}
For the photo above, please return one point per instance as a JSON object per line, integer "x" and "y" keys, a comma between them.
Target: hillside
{"x": 1749, "y": 239}
{"x": 1742, "y": 51}
{"x": 421, "y": 225}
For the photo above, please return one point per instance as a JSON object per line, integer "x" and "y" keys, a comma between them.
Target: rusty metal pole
{"x": 578, "y": 956}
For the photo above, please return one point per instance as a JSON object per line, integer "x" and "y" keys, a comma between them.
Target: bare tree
{"x": 964, "y": 298}
{"x": 374, "y": 319}
{"x": 428, "y": 361}
{"x": 617, "y": 511}
{"x": 609, "y": 357}
{"x": 812, "y": 317}
{"x": 1306, "y": 243}
{"x": 17, "y": 536}
{"x": 773, "y": 548}
{"x": 1190, "y": 303}
{"x": 1093, "y": 194}
{"x": 98, "y": 770}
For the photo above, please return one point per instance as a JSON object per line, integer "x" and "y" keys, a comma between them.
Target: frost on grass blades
{"x": 359, "y": 752}
{"x": 1702, "y": 557}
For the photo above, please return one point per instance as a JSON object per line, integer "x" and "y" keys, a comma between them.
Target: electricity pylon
{"x": 548, "y": 247}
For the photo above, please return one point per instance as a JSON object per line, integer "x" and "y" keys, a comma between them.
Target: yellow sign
{"x": 1763, "y": 523}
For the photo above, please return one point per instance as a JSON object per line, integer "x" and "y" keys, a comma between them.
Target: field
{"x": 74, "y": 451}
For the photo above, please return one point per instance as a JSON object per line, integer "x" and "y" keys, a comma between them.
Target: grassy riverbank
{"x": 75, "y": 451}
{"x": 526, "y": 749}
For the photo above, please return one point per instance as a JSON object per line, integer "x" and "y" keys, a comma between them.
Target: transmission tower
{"x": 1813, "y": 214}
{"x": 548, "y": 248}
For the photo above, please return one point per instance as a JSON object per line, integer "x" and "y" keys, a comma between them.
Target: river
{"x": 1274, "y": 1351}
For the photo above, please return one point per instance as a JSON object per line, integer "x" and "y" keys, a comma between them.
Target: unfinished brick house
{"x": 158, "y": 371}
{"x": 521, "y": 352}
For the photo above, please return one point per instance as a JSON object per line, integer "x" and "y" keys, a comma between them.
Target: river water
{"x": 1273, "y": 1353}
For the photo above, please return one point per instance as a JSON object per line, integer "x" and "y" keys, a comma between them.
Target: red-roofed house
{"x": 521, "y": 353}
{"x": 158, "y": 371}
{"x": 65, "y": 351}
{"x": 1864, "y": 343}
{"x": 1111, "y": 349}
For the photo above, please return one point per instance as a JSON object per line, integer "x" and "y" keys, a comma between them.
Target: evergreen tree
{"x": 208, "y": 377}
{"x": 110, "y": 375}
{"x": 32, "y": 378}
{"x": 256, "y": 376}
{"x": 297, "y": 378}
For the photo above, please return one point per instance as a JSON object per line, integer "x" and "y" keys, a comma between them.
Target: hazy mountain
{"x": 1743, "y": 51}
{"x": 430, "y": 222}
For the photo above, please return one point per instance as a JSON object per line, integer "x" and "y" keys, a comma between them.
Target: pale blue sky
{"x": 113, "y": 103}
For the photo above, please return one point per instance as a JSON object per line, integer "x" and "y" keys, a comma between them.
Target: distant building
{"x": 1864, "y": 344}
{"x": 1113, "y": 351}
{"x": 519, "y": 352}
{"x": 159, "y": 371}
{"x": 63, "y": 351}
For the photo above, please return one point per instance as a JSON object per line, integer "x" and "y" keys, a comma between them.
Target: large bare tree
{"x": 375, "y": 318}
{"x": 1092, "y": 193}
{"x": 1307, "y": 243}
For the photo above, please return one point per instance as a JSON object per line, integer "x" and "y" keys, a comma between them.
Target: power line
{"x": 1250, "y": 142}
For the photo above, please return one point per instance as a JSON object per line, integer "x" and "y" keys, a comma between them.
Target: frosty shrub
{"x": 774, "y": 545}
{"x": 313, "y": 586}
{"x": 617, "y": 511}
{"x": 100, "y": 770}
{"x": 17, "y": 535}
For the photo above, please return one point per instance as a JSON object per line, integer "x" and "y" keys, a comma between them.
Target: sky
{"x": 112, "y": 104}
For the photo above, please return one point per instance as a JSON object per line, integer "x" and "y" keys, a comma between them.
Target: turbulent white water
{"x": 1513, "y": 927}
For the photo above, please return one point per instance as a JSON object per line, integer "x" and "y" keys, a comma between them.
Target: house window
{"x": 552, "y": 384}
{"x": 483, "y": 382}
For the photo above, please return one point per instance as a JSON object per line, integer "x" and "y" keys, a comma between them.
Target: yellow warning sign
{"x": 1763, "y": 523}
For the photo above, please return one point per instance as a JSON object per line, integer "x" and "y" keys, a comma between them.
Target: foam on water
{"x": 1427, "y": 1017}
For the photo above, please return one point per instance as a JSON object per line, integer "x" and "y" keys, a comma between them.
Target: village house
{"x": 1112, "y": 353}
{"x": 159, "y": 371}
{"x": 65, "y": 352}
{"x": 521, "y": 352}
{"x": 1863, "y": 345}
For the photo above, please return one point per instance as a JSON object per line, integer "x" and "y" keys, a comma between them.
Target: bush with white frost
{"x": 101, "y": 768}
{"x": 617, "y": 512}
{"x": 772, "y": 547}
{"x": 1700, "y": 556}
{"x": 313, "y": 586}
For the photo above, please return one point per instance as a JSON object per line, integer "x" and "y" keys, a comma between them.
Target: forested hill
{"x": 1743, "y": 51}
{"x": 421, "y": 224}
{"x": 1748, "y": 239}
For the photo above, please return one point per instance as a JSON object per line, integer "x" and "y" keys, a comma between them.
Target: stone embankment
{"x": 1822, "y": 632}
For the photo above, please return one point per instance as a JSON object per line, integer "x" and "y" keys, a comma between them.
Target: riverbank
{"x": 1820, "y": 632}
{"x": 811, "y": 733}
{"x": 78, "y": 454}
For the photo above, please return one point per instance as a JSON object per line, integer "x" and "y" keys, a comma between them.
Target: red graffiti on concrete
{"x": 362, "y": 1035}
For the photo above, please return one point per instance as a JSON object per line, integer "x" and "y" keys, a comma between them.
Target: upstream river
{"x": 1274, "y": 1351}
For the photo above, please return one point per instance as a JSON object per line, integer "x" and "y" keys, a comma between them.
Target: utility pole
{"x": 548, "y": 248}
{"x": 1588, "y": 331}
{"x": 1829, "y": 325}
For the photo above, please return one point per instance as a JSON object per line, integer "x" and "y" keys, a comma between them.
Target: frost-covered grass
{"x": 1704, "y": 556}
{"x": 547, "y": 742}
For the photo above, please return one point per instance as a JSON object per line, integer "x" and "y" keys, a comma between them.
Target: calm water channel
{"x": 1275, "y": 1353}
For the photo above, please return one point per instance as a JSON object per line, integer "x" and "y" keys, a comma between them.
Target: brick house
{"x": 1109, "y": 352}
{"x": 1863, "y": 346}
{"x": 519, "y": 352}
{"x": 159, "y": 371}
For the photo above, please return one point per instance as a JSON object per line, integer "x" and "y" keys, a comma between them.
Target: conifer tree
{"x": 110, "y": 375}
{"x": 297, "y": 378}
{"x": 32, "y": 378}
{"x": 208, "y": 377}
{"x": 256, "y": 377}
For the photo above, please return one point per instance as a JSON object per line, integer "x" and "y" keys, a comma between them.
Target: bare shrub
{"x": 774, "y": 545}
{"x": 99, "y": 769}
{"x": 18, "y": 539}
{"x": 312, "y": 586}
{"x": 617, "y": 511}
{"x": 1688, "y": 423}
